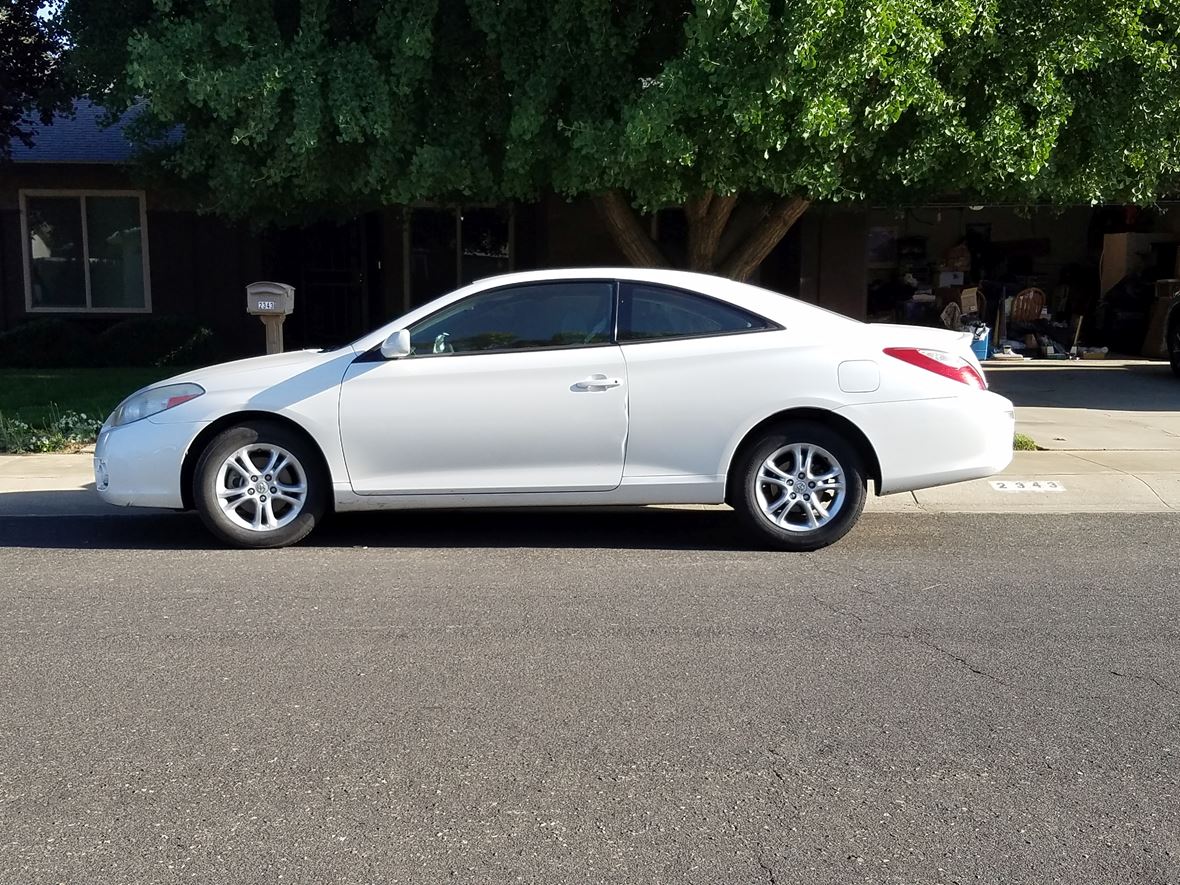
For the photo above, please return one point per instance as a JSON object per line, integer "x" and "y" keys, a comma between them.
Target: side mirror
{"x": 396, "y": 345}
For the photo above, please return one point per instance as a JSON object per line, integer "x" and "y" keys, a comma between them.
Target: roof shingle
{"x": 77, "y": 139}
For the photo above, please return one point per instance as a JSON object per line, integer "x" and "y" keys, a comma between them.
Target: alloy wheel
{"x": 261, "y": 487}
{"x": 800, "y": 487}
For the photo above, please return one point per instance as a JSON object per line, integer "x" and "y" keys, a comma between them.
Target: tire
{"x": 762, "y": 496}
{"x": 233, "y": 470}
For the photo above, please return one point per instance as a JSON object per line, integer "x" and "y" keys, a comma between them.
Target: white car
{"x": 569, "y": 387}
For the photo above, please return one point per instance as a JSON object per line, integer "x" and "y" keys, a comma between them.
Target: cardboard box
{"x": 969, "y": 300}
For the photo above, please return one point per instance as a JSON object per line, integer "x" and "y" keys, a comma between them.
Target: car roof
{"x": 682, "y": 278}
{"x": 775, "y": 306}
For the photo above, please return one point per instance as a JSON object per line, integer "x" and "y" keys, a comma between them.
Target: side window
{"x": 650, "y": 313}
{"x": 519, "y": 318}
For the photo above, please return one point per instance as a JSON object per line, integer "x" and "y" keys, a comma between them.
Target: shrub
{"x": 155, "y": 341}
{"x": 200, "y": 350}
{"x": 63, "y": 431}
{"x": 46, "y": 343}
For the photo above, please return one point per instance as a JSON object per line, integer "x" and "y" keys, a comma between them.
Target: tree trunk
{"x": 719, "y": 241}
{"x": 707, "y": 218}
{"x": 627, "y": 230}
{"x": 751, "y": 252}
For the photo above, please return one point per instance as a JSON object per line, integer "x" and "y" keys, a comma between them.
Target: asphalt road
{"x": 627, "y": 697}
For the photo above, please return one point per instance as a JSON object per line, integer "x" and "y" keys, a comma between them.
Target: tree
{"x": 743, "y": 112}
{"x": 33, "y": 81}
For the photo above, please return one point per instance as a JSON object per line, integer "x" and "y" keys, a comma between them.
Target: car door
{"x": 514, "y": 389}
{"x": 696, "y": 369}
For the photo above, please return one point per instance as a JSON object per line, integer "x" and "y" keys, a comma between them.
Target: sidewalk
{"x": 50, "y": 485}
{"x": 1111, "y": 428}
{"x": 1057, "y": 482}
{"x": 1085, "y": 405}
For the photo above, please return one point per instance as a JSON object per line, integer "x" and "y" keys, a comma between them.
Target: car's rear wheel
{"x": 800, "y": 486}
{"x": 259, "y": 485}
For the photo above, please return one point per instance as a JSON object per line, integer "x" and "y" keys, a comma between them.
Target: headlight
{"x": 153, "y": 401}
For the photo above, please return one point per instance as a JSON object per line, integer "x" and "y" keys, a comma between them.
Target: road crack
{"x": 836, "y": 610}
{"x": 768, "y": 869}
{"x": 1163, "y": 686}
{"x": 959, "y": 659}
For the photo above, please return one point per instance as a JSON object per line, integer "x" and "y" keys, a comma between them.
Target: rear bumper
{"x": 934, "y": 442}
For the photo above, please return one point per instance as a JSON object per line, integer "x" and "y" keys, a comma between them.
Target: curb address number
{"x": 1027, "y": 485}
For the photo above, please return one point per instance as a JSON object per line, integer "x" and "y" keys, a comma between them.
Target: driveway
{"x": 1131, "y": 405}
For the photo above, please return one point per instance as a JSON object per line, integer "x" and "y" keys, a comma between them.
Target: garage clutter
{"x": 1030, "y": 284}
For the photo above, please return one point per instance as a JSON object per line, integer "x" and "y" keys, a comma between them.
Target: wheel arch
{"x": 809, "y": 413}
{"x": 188, "y": 467}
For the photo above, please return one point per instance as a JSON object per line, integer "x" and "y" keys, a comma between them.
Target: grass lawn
{"x": 33, "y": 394}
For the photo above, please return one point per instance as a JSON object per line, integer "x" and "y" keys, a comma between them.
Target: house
{"x": 82, "y": 238}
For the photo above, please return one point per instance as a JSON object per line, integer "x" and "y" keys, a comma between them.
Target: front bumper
{"x": 139, "y": 464}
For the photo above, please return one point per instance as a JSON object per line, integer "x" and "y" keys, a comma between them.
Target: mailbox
{"x": 270, "y": 299}
{"x": 271, "y": 302}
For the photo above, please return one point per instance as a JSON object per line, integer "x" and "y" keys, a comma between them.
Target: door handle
{"x": 598, "y": 382}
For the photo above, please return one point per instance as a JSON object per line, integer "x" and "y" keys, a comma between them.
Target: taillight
{"x": 940, "y": 363}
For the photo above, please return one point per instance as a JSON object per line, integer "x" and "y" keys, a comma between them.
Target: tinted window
{"x": 653, "y": 312}
{"x": 521, "y": 317}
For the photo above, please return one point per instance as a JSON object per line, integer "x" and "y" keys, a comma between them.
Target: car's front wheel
{"x": 800, "y": 486}
{"x": 259, "y": 484}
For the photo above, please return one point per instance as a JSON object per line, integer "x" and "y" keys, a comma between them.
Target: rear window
{"x": 656, "y": 313}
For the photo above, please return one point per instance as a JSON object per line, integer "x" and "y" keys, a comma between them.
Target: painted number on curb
{"x": 1027, "y": 485}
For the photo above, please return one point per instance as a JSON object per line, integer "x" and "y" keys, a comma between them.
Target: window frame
{"x": 771, "y": 325}
{"x": 81, "y": 194}
{"x": 612, "y": 326}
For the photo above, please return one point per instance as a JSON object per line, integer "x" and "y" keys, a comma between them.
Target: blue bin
{"x": 982, "y": 347}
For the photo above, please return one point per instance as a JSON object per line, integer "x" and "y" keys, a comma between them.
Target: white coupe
{"x": 587, "y": 387}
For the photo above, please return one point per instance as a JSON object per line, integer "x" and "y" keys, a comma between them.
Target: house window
{"x": 85, "y": 251}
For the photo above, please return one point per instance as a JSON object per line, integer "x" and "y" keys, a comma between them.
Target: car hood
{"x": 259, "y": 371}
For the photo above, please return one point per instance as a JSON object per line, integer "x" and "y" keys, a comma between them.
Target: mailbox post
{"x": 271, "y": 302}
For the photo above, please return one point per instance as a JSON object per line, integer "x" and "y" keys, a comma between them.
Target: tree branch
{"x": 627, "y": 230}
{"x": 751, "y": 252}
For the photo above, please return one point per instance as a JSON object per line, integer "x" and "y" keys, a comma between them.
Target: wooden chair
{"x": 1027, "y": 305}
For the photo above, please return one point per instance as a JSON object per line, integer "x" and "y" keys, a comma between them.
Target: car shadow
{"x": 1147, "y": 388}
{"x": 631, "y": 528}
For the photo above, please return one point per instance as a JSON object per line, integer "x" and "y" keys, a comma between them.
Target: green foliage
{"x": 33, "y": 81}
{"x": 46, "y": 342}
{"x": 139, "y": 341}
{"x": 200, "y": 349}
{"x": 155, "y": 341}
{"x": 63, "y": 432}
{"x": 1025, "y": 443}
{"x": 351, "y": 103}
